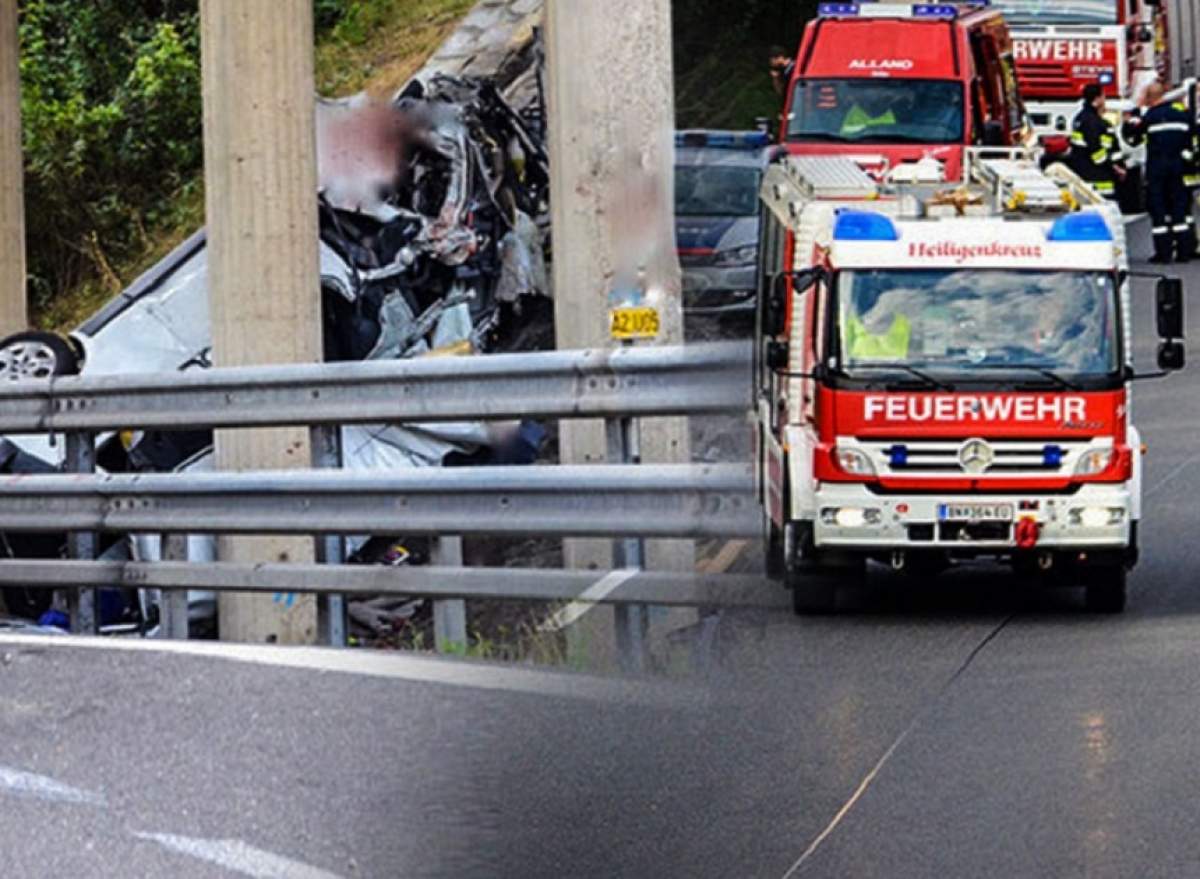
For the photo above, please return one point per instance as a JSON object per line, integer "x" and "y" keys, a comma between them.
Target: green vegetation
{"x": 112, "y": 126}
{"x": 721, "y": 48}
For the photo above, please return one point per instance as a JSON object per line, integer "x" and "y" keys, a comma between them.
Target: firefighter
{"x": 1170, "y": 138}
{"x": 1095, "y": 153}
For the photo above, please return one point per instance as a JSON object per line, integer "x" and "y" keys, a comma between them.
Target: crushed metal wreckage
{"x": 434, "y": 213}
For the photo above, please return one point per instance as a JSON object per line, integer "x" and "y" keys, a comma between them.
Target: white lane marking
{"x": 587, "y": 599}
{"x": 416, "y": 669}
{"x": 235, "y": 855}
{"x": 41, "y": 787}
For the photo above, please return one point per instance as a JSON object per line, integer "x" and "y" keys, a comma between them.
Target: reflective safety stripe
{"x": 1169, "y": 126}
{"x": 1180, "y": 105}
{"x": 1188, "y": 155}
{"x": 1160, "y": 230}
{"x": 1078, "y": 139}
{"x": 1100, "y": 157}
{"x": 1182, "y": 227}
{"x": 1103, "y": 186}
{"x": 1106, "y": 140}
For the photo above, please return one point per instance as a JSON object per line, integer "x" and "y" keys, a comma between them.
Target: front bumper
{"x": 712, "y": 289}
{"x": 913, "y": 522}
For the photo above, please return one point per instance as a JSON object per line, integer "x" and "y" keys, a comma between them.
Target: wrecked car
{"x": 433, "y": 216}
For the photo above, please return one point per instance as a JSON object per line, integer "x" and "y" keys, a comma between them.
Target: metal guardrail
{"x": 614, "y": 500}
{"x": 569, "y": 501}
{"x": 555, "y": 384}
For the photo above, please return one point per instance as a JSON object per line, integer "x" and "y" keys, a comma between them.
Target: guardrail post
{"x": 331, "y": 548}
{"x": 631, "y": 620}
{"x": 450, "y": 616}
{"x": 173, "y": 603}
{"x": 81, "y": 545}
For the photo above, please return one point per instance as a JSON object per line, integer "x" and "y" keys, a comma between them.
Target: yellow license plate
{"x": 640, "y": 322}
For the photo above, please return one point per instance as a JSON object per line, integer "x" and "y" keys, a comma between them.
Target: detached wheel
{"x": 1106, "y": 590}
{"x": 36, "y": 355}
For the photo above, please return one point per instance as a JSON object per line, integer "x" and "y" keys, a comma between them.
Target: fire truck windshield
{"x": 965, "y": 325}
{"x": 1058, "y": 11}
{"x": 876, "y": 111}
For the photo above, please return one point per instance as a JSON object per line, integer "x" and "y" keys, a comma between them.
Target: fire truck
{"x": 1121, "y": 44}
{"x": 896, "y": 84}
{"x": 944, "y": 374}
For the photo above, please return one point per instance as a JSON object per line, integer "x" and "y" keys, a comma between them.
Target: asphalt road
{"x": 962, "y": 728}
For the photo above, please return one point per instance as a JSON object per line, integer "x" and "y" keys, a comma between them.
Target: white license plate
{"x": 975, "y": 512}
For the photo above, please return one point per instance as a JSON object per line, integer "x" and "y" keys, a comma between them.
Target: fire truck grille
{"x": 1036, "y": 77}
{"x": 981, "y": 457}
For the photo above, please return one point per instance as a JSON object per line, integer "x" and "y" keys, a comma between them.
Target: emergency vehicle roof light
{"x": 916, "y": 10}
{"x": 864, "y": 226}
{"x": 728, "y": 140}
{"x": 1086, "y": 226}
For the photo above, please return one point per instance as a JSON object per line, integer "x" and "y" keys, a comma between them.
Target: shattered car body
{"x": 432, "y": 217}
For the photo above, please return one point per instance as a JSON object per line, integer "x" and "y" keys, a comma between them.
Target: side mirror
{"x": 1170, "y": 356}
{"x": 777, "y": 356}
{"x": 1169, "y": 310}
{"x": 993, "y": 133}
{"x": 775, "y": 322}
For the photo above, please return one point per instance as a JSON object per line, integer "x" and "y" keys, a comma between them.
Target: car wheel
{"x": 36, "y": 355}
{"x": 27, "y": 603}
{"x": 1106, "y": 589}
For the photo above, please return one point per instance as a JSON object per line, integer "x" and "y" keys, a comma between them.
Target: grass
{"x": 381, "y": 43}
{"x": 376, "y": 47}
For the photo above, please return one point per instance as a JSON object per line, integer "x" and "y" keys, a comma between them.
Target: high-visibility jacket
{"x": 861, "y": 344}
{"x": 858, "y": 121}
{"x": 1095, "y": 150}
{"x": 1170, "y": 135}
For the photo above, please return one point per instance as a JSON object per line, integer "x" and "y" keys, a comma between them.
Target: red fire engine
{"x": 1062, "y": 47}
{"x": 897, "y": 83}
{"x": 944, "y": 373}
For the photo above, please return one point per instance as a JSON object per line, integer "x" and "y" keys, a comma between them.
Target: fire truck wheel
{"x": 1106, "y": 590}
{"x": 776, "y": 564}
{"x": 813, "y": 594}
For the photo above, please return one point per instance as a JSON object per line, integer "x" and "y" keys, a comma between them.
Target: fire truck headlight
{"x": 1093, "y": 462}
{"x": 854, "y": 461}
{"x": 1097, "y": 517}
{"x": 851, "y": 517}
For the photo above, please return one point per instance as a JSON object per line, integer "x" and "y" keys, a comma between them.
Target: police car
{"x": 717, "y": 175}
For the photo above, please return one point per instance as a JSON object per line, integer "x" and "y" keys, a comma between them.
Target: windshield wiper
{"x": 925, "y": 377}
{"x": 1040, "y": 370}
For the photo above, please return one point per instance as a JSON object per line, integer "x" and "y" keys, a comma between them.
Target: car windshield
{"x": 716, "y": 191}
{"x": 876, "y": 110}
{"x": 1061, "y": 11}
{"x": 948, "y": 322}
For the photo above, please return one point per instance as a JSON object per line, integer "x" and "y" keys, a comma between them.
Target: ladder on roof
{"x": 831, "y": 177}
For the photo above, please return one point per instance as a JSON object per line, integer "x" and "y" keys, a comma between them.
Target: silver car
{"x": 717, "y": 175}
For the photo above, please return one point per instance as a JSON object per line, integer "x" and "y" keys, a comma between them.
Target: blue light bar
{"x": 934, "y": 10}
{"x": 725, "y": 140}
{"x": 1052, "y": 456}
{"x": 827, "y": 9}
{"x": 898, "y": 457}
{"x": 864, "y": 226}
{"x": 1086, "y": 226}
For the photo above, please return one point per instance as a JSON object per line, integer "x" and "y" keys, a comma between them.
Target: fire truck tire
{"x": 776, "y": 563}
{"x": 813, "y": 594}
{"x": 1106, "y": 590}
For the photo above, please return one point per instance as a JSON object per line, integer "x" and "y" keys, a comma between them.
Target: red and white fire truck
{"x": 946, "y": 374}
{"x": 893, "y": 84}
{"x": 1122, "y": 44}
